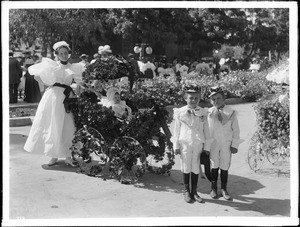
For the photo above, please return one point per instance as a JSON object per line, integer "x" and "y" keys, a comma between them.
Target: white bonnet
{"x": 59, "y": 44}
{"x": 104, "y": 49}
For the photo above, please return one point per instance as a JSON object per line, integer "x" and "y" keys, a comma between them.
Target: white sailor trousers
{"x": 190, "y": 157}
{"x": 220, "y": 154}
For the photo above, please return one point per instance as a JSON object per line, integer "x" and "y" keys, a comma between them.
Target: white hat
{"x": 111, "y": 92}
{"x": 104, "y": 49}
{"x": 83, "y": 56}
{"x": 59, "y": 44}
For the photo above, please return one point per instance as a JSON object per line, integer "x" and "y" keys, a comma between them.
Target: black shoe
{"x": 213, "y": 193}
{"x": 187, "y": 197}
{"x": 194, "y": 194}
{"x": 225, "y": 194}
{"x": 197, "y": 198}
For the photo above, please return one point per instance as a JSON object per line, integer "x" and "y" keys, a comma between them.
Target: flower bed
{"x": 250, "y": 86}
{"x": 22, "y": 112}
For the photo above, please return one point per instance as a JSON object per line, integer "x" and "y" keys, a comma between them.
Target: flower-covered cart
{"x": 272, "y": 138}
{"x": 126, "y": 147}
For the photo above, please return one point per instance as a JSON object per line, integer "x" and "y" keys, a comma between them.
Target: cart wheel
{"x": 163, "y": 165}
{"x": 274, "y": 151}
{"x": 127, "y": 160}
{"x": 256, "y": 154}
{"x": 89, "y": 146}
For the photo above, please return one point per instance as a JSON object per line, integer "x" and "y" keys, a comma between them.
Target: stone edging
{"x": 20, "y": 121}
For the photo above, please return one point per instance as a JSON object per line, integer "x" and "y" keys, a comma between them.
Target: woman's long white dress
{"x": 52, "y": 129}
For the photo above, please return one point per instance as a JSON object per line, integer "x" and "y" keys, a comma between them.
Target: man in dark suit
{"x": 15, "y": 73}
{"x": 134, "y": 73}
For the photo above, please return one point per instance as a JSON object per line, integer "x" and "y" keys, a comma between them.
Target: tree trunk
{"x": 278, "y": 57}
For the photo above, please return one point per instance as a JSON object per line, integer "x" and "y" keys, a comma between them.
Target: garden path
{"x": 41, "y": 192}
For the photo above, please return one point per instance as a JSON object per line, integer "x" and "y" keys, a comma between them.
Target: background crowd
{"x": 24, "y": 86}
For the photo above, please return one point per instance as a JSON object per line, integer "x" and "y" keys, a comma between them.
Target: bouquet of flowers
{"x": 113, "y": 67}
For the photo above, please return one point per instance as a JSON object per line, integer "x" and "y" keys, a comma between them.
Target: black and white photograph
{"x": 150, "y": 113}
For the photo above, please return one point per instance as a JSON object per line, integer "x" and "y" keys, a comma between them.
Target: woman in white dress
{"x": 53, "y": 126}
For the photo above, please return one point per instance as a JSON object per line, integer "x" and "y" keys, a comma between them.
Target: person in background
{"x": 184, "y": 69}
{"x": 245, "y": 62}
{"x": 96, "y": 57}
{"x": 104, "y": 51}
{"x": 148, "y": 68}
{"x": 21, "y": 86}
{"x": 122, "y": 111}
{"x": 169, "y": 70}
{"x": 84, "y": 60}
{"x": 216, "y": 69}
{"x": 161, "y": 70}
{"x": 15, "y": 74}
{"x": 53, "y": 126}
{"x": 32, "y": 92}
{"x": 177, "y": 66}
{"x": 134, "y": 73}
{"x": 225, "y": 132}
{"x": 191, "y": 137}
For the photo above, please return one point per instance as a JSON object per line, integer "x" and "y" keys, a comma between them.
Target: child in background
{"x": 191, "y": 136}
{"x": 119, "y": 106}
{"x": 225, "y": 132}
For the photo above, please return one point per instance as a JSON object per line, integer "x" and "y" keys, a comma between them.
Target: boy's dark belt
{"x": 66, "y": 92}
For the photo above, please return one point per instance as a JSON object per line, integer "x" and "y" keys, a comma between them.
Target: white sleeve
{"x": 44, "y": 71}
{"x": 177, "y": 126}
{"x": 78, "y": 69}
{"x": 236, "y": 132}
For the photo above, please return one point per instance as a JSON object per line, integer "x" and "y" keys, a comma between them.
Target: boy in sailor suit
{"x": 225, "y": 132}
{"x": 191, "y": 136}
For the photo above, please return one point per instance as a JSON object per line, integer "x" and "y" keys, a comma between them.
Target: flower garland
{"x": 113, "y": 67}
{"x": 125, "y": 153}
{"x": 144, "y": 127}
{"x": 87, "y": 141}
{"x": 273, "y": 121}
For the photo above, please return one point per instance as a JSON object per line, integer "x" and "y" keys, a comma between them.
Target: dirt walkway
{"x": 38, "y": 191}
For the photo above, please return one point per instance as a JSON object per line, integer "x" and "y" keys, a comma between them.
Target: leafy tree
{"x": 79, "y": 27}
{"x": 198, "y": 29}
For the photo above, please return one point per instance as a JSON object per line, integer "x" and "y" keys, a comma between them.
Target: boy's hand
{"x": 177, "y": 151}
{"x": 233, "y": 150}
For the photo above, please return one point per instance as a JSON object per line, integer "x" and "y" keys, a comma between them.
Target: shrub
{"x": 273, "y": 120}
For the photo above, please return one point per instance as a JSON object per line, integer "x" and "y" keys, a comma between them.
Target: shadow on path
{"x": 241, "y": 189}
{"x": 60, "y": 166}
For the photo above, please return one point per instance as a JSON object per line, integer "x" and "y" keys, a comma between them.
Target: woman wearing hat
{"x": 122, "y": 111}
{"x": 96, "y": 57}
{"x": 104, "y": 51}
{"x": 53, "y": 126}
{"x": 84, "y": 60}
